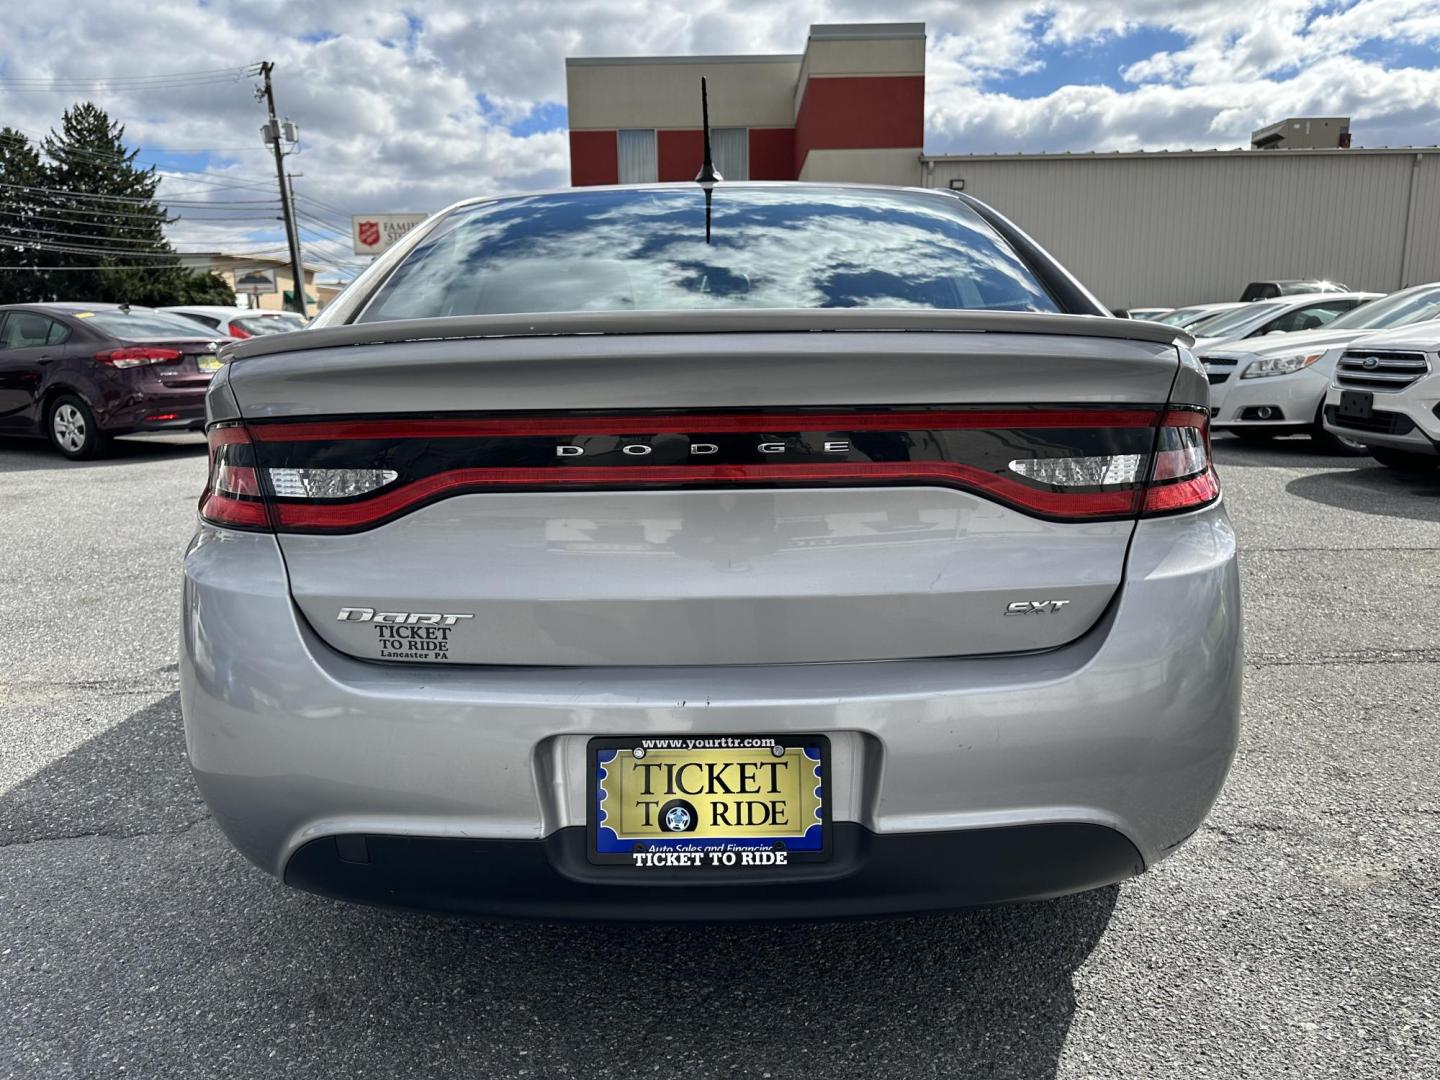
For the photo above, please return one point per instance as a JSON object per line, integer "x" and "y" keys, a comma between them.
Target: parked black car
{"x": 78, "y": 374}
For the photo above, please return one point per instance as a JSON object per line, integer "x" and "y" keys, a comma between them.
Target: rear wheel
{"x": 1405, "y": 461}
{"x": 73, "y": 430}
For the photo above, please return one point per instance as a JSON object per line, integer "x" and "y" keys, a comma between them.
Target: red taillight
{"x": 1182, "y": 476}
{"x": 1070, "y": 463}
{"x": 232, "y": 496}
{"x": 1065, "y": 463}
{"x": 235, "y": 330}
{"x": 139, "y": 356}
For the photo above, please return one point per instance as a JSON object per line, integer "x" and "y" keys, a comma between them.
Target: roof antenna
{"x": 708, "y": 177}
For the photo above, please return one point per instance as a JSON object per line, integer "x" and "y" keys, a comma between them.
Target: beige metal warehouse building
{"x": 1174, "y": 228}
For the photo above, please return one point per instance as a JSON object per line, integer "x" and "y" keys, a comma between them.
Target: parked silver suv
{"x": 603, "y": 553}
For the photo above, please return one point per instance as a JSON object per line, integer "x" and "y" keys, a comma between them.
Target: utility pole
{"x": 274, "y": 136}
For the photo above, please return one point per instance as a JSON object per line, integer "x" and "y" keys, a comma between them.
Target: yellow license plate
{"x": 712, "y": 802}
{"x": 209, "y": 362}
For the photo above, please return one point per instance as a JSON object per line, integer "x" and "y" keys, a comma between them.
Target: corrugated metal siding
{"x": 1179, "y": 228}
{"x": 1422, "y": 258}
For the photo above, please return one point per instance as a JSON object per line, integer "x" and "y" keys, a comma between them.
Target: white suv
{"x": 1386, "y": 394}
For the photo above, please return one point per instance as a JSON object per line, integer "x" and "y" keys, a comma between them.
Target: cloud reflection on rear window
{"x": 793, "y": 246}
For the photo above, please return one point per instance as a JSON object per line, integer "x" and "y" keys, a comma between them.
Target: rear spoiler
{"x": 725, "y": 321}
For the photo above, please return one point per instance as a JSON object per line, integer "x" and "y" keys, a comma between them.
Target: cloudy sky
{"x": 410, "y": 106}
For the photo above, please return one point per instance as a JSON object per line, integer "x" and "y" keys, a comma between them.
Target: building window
{"x": 730, "y": 147}
{"x": 637, "y": 156}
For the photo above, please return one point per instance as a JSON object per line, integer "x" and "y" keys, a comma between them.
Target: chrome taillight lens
{"x": 328, "y": 483}
{"x": 1086, "y": 471}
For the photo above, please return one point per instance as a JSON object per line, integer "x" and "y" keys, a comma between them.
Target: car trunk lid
{"x": 711, "y": 498}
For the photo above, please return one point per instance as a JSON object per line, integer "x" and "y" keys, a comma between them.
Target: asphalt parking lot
{"x": 1296, "y": 935}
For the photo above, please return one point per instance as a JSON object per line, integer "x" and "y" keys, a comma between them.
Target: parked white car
{"x": 239, "y": 322}
{"x": 1386, "y": 395}
{"x": 1275, "y": 385}
{"x": 1279, "y": 316}
{"x": 1190, "y": 317}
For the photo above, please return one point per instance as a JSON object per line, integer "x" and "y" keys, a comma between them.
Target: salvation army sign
{"x": 374, "y": 233}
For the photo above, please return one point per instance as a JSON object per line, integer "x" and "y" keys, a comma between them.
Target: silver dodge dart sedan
{"x": 804, "y": 551}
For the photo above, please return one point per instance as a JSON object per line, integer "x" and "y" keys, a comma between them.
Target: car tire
{"x": 1404, "y": 460}
{"x": 1253, "y": 435}
{"x": 73, "y": 430}
{"x": 1339, "y": 445}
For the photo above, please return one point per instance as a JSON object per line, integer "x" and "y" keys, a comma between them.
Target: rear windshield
{"x": 1400, "y": 309}
{"x": 142, "y": 325}
{"x": 1235, "y": 318}
{"x": 1178, "y": 316}
{"x": 1299, "y": 288}
{"x": 267, "y": 324}
{"x": 771, "y": 247}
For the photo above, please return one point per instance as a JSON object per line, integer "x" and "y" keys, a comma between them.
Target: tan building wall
{"x": 1175, "y": 228}
{"x": 664, "y": 92}
{"x": 228, "y": 265}
{"x": 895, "y": 167}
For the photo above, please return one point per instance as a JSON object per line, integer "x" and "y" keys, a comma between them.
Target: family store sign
{"x": 374, "y": 233}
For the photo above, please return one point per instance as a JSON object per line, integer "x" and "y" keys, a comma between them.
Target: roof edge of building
{"x": 240, "y": 256}
{"x": 1113, "y": 155}
{"x": 865, "y": 31}
{"x": 744, "y": 58}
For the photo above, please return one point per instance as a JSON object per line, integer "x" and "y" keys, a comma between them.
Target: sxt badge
{"x": 1035, "y": 607}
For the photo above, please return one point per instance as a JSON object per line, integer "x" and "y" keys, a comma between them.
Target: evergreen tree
{"x": 87, "y": 205}
{"x": 93, "y": 180}
{"x": 21, "y": 176}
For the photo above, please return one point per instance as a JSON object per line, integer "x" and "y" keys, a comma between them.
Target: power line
{"x": 105, "y": 266}
{"x": 233, "y": 69}
{"x": 82, "y": 249}
{"x": 317, "y": 223}
{"x": 130, "y": 89}
{"x": 332, "y": 243}
{"x": 133, "y": 200}
{"x": 242, "y": 213}
{"x": 111, "y": 226}
{"x": 100, "y": 246}
{"x": 22, "y": 236}
{"x": 125, "y": 83}
{"x": 326, "y": 206}
{"x": 48, "y": 234}
{"x": 185, "y": 175}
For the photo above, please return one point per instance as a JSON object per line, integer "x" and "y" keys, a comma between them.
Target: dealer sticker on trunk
{"x": 408, "y": 635}
{"x": 708, "y": 802}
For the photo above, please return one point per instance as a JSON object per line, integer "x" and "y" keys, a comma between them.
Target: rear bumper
{"x": 870, "y": 875}
{"x": 1128, "y": 730}
{"x": 151, "y": 405}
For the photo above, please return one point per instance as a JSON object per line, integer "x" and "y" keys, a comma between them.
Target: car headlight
{"x": 1279, "y": 365}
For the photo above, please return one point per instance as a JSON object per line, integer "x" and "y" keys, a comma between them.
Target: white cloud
{"x": 407, "y": 107}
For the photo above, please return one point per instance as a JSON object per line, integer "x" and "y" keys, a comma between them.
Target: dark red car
{"x": 78, "y": 374}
